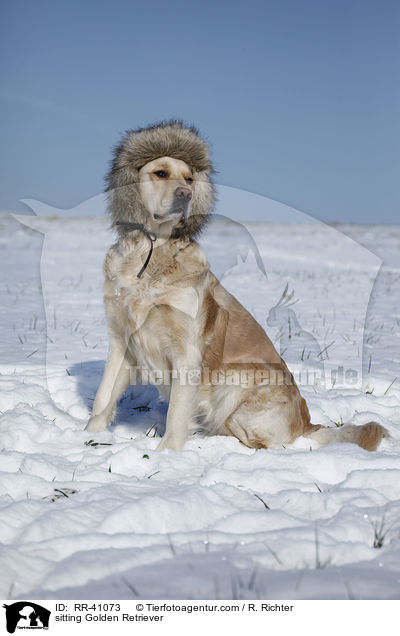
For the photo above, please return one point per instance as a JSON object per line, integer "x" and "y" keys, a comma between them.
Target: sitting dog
{"x": 167, "y": 312}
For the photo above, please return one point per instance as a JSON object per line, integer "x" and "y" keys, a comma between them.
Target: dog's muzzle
{"x": 180, "y": 203}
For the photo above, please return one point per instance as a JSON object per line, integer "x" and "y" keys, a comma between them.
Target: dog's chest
{"x": 130, "y": 299}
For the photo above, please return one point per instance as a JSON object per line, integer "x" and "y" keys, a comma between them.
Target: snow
{"x": 105, "y": 515}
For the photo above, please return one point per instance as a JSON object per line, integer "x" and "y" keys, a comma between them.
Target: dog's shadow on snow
{"x": 140, "y": 409}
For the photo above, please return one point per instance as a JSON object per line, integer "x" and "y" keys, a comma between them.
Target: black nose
{"x": 183, "y": 193}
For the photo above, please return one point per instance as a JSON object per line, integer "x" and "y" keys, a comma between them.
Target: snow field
{"x": 107, "y": 516}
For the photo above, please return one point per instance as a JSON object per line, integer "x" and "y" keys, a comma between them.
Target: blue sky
{"x": 300, "y": 99}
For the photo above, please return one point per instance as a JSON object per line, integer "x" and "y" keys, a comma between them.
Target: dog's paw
{"x": 173, "y": 443}
{"x": 96, "y": 424}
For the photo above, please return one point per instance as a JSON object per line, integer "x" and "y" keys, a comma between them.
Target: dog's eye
{"x": 189, "y": 179}
{"x": 161, "y": 173}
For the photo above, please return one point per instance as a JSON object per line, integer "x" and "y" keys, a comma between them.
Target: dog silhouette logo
{"x": 26, "y": 615}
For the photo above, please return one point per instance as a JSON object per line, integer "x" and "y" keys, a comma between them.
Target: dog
{"x": 167, "y": 312}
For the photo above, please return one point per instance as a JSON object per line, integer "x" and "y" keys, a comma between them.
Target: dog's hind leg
{"x": 115, "y": 381}
{"x": 258, "y": 427}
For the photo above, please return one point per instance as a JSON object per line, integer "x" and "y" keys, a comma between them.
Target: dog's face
{"x": 161, "y": 177}
{"x": 166, "y": 189}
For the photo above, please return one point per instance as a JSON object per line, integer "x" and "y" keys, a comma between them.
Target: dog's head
{"x": 161, "y": 176}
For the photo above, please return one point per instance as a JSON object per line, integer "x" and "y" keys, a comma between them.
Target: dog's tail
{"x": 367, "y": 436}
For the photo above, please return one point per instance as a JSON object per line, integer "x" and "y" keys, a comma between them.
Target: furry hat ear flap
{"x": 140, "y": 146}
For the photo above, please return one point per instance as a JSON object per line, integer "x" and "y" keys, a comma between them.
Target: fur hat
{"x": 138, "y": 147}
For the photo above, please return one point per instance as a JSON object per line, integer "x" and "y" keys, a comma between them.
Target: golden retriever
{"x": 168, "y": 314}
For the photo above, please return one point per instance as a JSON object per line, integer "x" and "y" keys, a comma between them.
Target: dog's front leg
{"x": 115, "y": 381}
{"x": 182, "y": 401}
{"x": 179, "y": 416}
